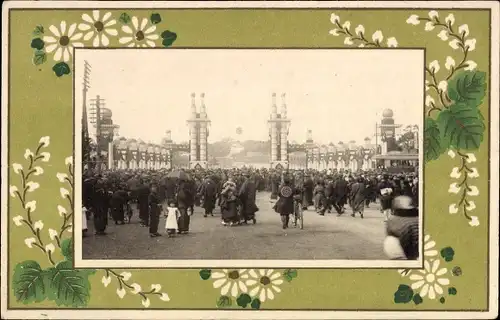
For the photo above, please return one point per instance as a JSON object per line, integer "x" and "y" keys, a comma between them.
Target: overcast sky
{"x": 338, "y": 94}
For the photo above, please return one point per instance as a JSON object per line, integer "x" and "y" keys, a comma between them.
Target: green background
{"x": 41, "y": 105}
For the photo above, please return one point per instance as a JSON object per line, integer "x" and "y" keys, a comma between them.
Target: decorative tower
{"x": 198, "y": 134}
{"x": 388, "y": 134}
{"x": 279, "y": 125}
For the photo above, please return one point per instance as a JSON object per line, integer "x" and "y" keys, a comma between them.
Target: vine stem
{"x": 463, "y": 203}
{"x": 360, "y": 38}
{"x": 122, "y": 283}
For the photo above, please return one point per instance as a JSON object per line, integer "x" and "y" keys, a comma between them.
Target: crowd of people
{"x": 175, "y": 193}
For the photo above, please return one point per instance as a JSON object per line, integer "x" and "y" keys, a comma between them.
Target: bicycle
{"x": 298, "y": 213}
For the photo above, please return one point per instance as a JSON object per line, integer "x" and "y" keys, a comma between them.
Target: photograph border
{"x": 121, "y": 313}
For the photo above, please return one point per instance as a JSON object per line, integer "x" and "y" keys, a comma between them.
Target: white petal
{"x": 473, "y": 191}
{"x": 429, "y": 245}
{"x": 443, "y": 281}
{"x": 277, "y": 289}
{"x": 225, "y": 289}
{"x": 77, "y": 36}
{"x": 87, "y": 18}
{"x": 252, "y": 273}
{"x": 432, "y": 293}
{"x": 234, "y": 290}
{"x": 424, "y": 290}
{"x": 415, "y": 277}
{"x": 125, "y": 40}
{"x": 471, "y": 206}
{"x": 334, "y": 32}
{"x": 83, "y": 27}
{"x": 153, "y": 37}
{"x": 441, "y": 271}
{"x": 151, "y": 43}
{"x": 463, "y": 30}
{"x": 217, "y": 275}
{"x": 127, "y": 29}
{"x": 88, "y": 35}
{"x": 270, "y": 294}
{"x": 471, "y": 158}
{"x": 429, "y": 26}
{"x": 277, "y": 281}
{"x": 242, "y": 286}
{"x": 96, "y": 41}
{"x": 106, "y": 16}
{"x": 435, "y": 266}
{"x": 150, "y": 30}
{"x": 427, "y": 266}
{"x": 66, "y": 54}
{"x": 443, "y": 35}
{"x": 110, "y": 23}
{"x": 438, "y": 289}
{"x": 254, "y": 291}
{"x": 58, "y": 55}
{"x": 219, "y": 283}
{"x": 250, "y": 282}
{"x": 49, "y": 39}
{"x": 95, "y": 15}
{"x": 262, "y": 296}
{"x": 275, "y": 276}
{"x": 111, "y": 32}
{"x": 55, "y": 31}
{"x": 135, "y": 23}
{"x": 71, "y": 30}
{"x": 471, "y": 44}
{"x": 143, "y": 24}
{"x": 417, "y": 284}
{"x": 63, "y": 27}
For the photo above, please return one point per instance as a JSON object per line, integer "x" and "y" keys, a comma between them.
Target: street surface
{"x": 323, "y": 237}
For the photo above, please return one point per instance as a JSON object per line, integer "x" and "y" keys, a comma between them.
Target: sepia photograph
{"x": 289, "y": 156}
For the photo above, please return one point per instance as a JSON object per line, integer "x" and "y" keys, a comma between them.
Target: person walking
{"x": 154, "y": 211}
{"x": 284, "y": 206}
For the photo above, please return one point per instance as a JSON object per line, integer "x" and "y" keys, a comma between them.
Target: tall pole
{"x": 85, "y": 128}
{"x": 97, "y": 104}
{"x": 376, "y": 144}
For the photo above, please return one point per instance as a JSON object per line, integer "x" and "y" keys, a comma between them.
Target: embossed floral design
{"x": 140, "y": 34}
{"x": 430, "y": 280}
{"x": 62, "y": 41}
{"x": 231, "y": 281}
{"x": 359, "y": 37}
{"x": 98, "y": 28}
{"x": 266, "y": 283}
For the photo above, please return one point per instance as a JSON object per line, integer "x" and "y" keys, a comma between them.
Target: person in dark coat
{"x": 357, "y": 197}
{"x": 208, "y": 193}
{"x": 402, "y": 229}
{"x": 100, "y": 207}
{"x": 184, "y": 202}
{"x": 386, "y": 192}
{"x": 275, "y": 182}
{"x": 247, "y": 195}
{"x": 117, "y": 204}
{"x": 308, "y": 192}
{"x": 229, "y": 204}
{"x": 154, "y": 211}
{"x": 285, "y": 204}
{"x": 329, "y": 195}
{"x": 340, "y": 190}
{"x": 142, "y": 203}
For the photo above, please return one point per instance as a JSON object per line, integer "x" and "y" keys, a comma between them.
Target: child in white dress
{"x": 172, "y": 215}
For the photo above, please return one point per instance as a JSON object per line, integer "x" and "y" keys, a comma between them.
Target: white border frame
{"x": 79, "y": 262}
{"x": 219, "y": 314}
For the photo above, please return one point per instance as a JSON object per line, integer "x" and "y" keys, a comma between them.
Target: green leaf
{"x": 37, "y": 43}
{"x": 224, "y": 302}
{"x": 168, "y": 38}
{"x": 39, "y": 58}
{"x": 38, "y": 31}
{"x": 67, "y": 249}
{"x": 289, "y": 274}
{"x": 28, "y": 282}
{"x": 61, "y": 69}
{"x": 432, "y": 141}
{"x": 442, "y": 300}
{"x": 155, "y": 18}
{"x": 205, "y": 274}
{"x": 452, "y": 291}
{"x": 255, "y": 304}
{"x": 468, "y": 87}
{"x": 447, "y": 253}
{"x": 404, "y": 294}
{"x": 124, "y": 18}
{"x": 243, "y": 300}
{"x": 68, "y": 287}
{"x": 461, "y": 127}
{"x": 417, "y": 299}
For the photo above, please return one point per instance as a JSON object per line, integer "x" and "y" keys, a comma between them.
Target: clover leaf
{"x": 243, "y": 300}
{"x": 452, "y": 291}
{"x": 68, "y": 287}
{"x": 468, "y": 87}
{"x": 289, "y": 274}
{"x": 67, "y": 249}
{"x": 155, "y": 18}
{"x": 168, "y": 38}
{"x": 224, "y": 302}
{"x": 39, "y": 58}
{"x": 61, "y": 69}
{"x": 37, "y": 43}
{"x": 447, "y": 253}
{"x": 255, "y": 304}
{"x": 461, "y": 126}
{"x": 29, "y": 282}
{"x": 124, "y": 18}
{"x": 205, "y": 274}
{"x": 404, "y": 294}
{"x": 417, "y": 299}
{"x": 432, "y": 141}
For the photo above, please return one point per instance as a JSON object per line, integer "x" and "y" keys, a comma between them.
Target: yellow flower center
{"x": 139, "y": 36}
{"x": 64, "y": 41}
{"x": 233, "y": 275}
{"x": 430, "y": 277}
{"x": 265, "y": 280}
{"x": 99, "y": 26}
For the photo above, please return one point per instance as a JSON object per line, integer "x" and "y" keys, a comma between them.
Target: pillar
{"x": 111, "y": 154}
{"x": 274, "y": 142}
{"x": 203, "y": 141}
{"x": 283, "y": 142}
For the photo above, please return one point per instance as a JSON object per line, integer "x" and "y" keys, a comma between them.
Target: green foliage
{"x": 432, "y": 141}
{"x": 224, "y": 302}
{"x": 68, "y": 287}
{"x": 417, "y": 299}
{"x": 461, "y": 127}
{"x": 67, "y": 249}
{"x": 468, "y": 87}
{"x": 37, "y": 43}
{"x": 404, "y": 294}
{"x": 124, "y": 18}
{"x": 168, "y": 38}
{"x": 452, "y": 291}
{"x": 442, "y": 300}
{"x": 205, "y": 274}
{"x": 29, "y": 283}
{"x": 255, "y": 304}
{"x": 447, "y": 253}
{"x": 155, "y": 18}
{"x": 39, "y": 57}
{"x": 243, "y": 300}
{"x": 61, "y": 69}
{"x": 289, "y": 274}
{"x": 38, "y": 31}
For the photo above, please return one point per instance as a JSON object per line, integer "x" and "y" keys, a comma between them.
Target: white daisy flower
{"x": 429, "y": 246}
{"x": 267, "y": 284}
{"x": 430, "y": 280}
{"x": 230, "y": 281}
{"x": 98, "y": 28}
{"x": 62, "y": 41}
{"x": 139, "y": 35}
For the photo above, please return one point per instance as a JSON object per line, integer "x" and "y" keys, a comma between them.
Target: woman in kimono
{"x": 229, "y": 203}
{"x": 357, "y": 197}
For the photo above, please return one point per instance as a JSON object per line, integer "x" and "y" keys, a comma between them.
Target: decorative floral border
{"x": 458, "y": 93}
